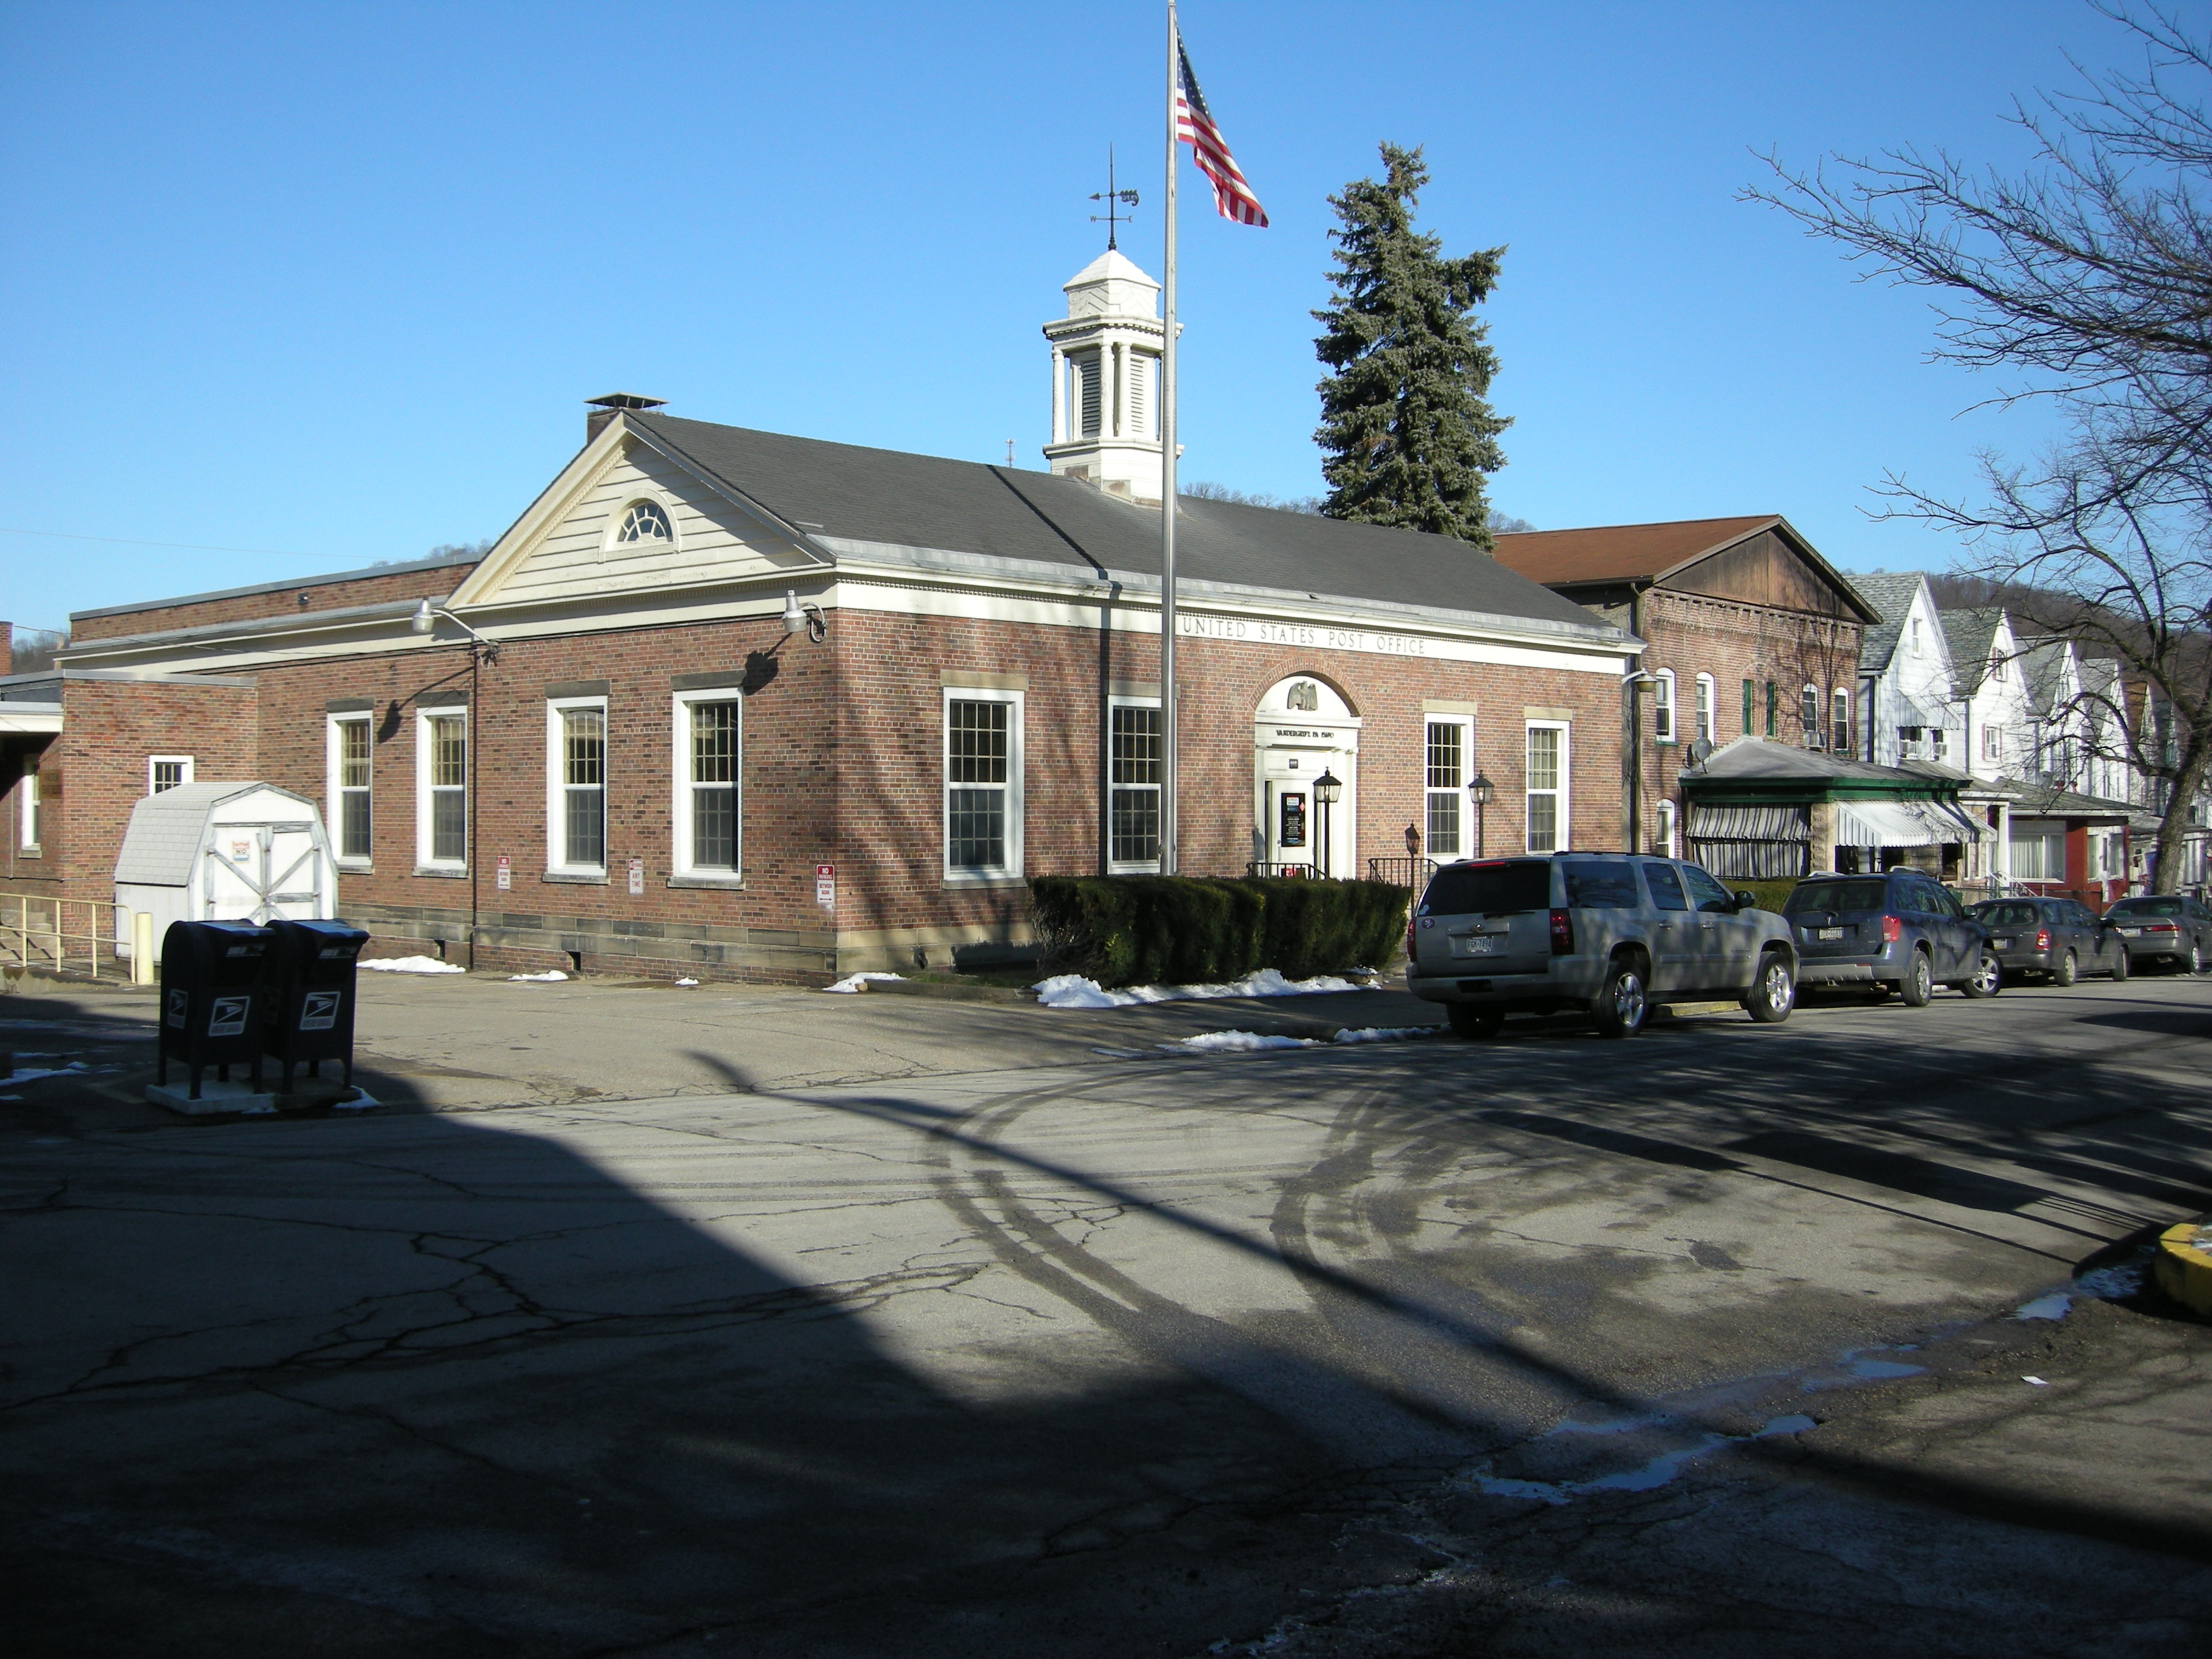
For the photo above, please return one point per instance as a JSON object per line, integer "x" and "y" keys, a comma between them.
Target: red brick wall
{"x": 95, "y": 772}
{"x": 842, "y": 747}
{"x": 434, "y": 584}
{"x": 1733, "y": 642}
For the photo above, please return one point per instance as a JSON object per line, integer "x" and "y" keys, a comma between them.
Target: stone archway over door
{"x": 1303, "y": 729}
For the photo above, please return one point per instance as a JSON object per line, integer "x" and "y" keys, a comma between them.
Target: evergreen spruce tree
{"x": 1407, "y": 429}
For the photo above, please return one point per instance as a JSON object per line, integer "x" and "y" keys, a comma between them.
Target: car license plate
{"x": 1484, "y": 944}
{"x": 2001, "y": 944}
{"x": 1830, "y": 933}
{"x": 2129, "y": 933}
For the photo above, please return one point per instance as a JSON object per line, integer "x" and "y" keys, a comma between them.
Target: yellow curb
{"x": 2184, "y": 1265}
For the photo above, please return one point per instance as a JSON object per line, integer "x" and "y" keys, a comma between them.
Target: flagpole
{"x": 1167, "y": 721}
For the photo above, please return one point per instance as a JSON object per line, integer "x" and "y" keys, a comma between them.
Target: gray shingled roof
{"x": 1765, "y": 757}
{"x": 2041, "y": 664}
{"x": 889, "y": 496}
{"x": 166, "y": 829}
{"x": 1970, "y": 634}
{"x": 1891, "y": 593}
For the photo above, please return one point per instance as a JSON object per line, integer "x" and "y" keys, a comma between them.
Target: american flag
{"x": 1232, "y": 196}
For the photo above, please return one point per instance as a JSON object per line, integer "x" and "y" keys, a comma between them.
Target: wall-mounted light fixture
{"x": 425, "y": 621}
{"x": 807, "y": 616}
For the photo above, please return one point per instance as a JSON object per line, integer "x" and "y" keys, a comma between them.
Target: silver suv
{"x": 1613, "y": 933}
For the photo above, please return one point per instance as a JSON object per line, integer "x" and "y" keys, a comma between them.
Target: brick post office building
{"x": 707, "y": 661}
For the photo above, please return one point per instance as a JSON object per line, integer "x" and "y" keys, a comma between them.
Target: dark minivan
{"x": 1901, "y": 931}
{"x": 2058, "y": 939}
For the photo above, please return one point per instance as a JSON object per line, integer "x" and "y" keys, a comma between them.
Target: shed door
{"x": 252, "y": 871}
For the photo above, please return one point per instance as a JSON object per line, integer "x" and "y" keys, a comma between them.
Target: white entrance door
{"x": 1303, "y": 733}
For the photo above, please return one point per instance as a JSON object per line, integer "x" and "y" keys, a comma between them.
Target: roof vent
{"x": 604, "y": 409}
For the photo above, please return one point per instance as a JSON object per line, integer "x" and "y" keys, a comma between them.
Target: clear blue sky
{"x": 333, "y": 280}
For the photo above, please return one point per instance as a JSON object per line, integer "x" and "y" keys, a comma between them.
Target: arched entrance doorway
{"x": 1303, "y": 730}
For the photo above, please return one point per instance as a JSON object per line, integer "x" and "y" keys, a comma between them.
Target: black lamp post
{"x": 1326, "y": 790}
{"x": 1480, "y": 792}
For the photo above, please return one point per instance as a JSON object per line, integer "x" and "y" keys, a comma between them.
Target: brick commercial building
{"x": 724, "y": 701}
{"x": 1751, "y": 633}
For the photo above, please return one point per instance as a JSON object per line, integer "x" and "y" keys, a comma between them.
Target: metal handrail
{"x": 1400, "y": 871}
{"x": 38, "y": 933}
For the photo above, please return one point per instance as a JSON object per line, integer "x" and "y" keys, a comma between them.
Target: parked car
{"x": 1615, "y": 933}
{"x": 1901, "y": 931}
{"x": 2167, "y": 928}
{"x": 2057, "y": 940}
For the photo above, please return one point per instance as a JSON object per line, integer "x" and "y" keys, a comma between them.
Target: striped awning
{"x": 1791, "y": 824}
{"x": 1902, "y": 823}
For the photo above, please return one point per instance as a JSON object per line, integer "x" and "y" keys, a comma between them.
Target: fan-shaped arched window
{"x": 644, "y": 521}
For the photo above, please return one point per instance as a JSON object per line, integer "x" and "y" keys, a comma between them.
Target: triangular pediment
{"x": 570, "y": 546}
{"x": 1770, "y": 567}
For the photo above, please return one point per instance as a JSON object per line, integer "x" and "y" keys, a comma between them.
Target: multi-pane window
{"x": 1747, "y": 692}
{"x": 1446, "y": 778}
{"x": 1706, "y": 690}
{"x": 167, "y": 772}
{"x": 1546, "y": 787}
{"x": 449, "y": 787}
{"x": 1663, "y": 841}
{"x": 644, "y": 521}
{"x": 1840, "y": 742}
{"x": 1771, "y": 709}
{"x": 350, "y": 769}
{"x": 1662, "y": 705}
{"x": 1808, "y": 715}
{"x": 982, "y": 781}
{"x": 1133, "y": 826}
{"x": 583, "y": 789}
{"x": 709, "y": 784}
{"x": 1992, "y": 743}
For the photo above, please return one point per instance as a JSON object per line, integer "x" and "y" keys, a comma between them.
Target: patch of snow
{"x": 1076, "y": 991}
{"x": 1389, "y": 1034}
{"x": 550, "y": 976}
{"x": 75, "y": 1068}
{"x": 853, "y": 984}
{"x": 2057, "y": 1305}
{"x": 1212, "y": 1042}
{"x": 1644, "y": 1477}
{"x": 687, "y": 981}
{"x": 2113, "y": 1284}
{"x": 2035, "y": 1381}
{"x": 411, "y": 965}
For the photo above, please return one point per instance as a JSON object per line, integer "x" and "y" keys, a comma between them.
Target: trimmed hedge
{"x": 1185, "y": 930}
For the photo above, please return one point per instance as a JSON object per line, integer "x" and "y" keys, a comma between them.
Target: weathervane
{"x": 1114, "y": 199}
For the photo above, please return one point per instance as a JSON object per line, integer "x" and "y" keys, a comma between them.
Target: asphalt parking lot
{"x": 770, "y": 1322}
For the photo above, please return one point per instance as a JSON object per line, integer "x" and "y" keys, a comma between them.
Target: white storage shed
{"x": 223, "y": 852}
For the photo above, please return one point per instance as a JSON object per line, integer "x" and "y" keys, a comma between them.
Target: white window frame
{"x": 1114, "y": 866}
{"x": 425, "y": 838}
{"x": 1842, "y": 732}
{"x": 557, "y": 801}
{"x": 153, "y": 761}
{"x": 29, "y": 827}
{"x": 683, "y": 853}
{"x": 1663, "y": 838}
{"x": 335, "y": 792}
{"x": 1429, "y": 792}
{"x": 1664, "y": 727}
{"x": 1993, "y": 744}
{"x": 1562, "y": 820}
{"x": 1815, "y": 733}
{"x": 1011, "y": 870}
{"x": 1707, "y": 693}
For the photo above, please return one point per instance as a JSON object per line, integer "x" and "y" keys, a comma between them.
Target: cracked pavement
{"x": 650, "y": 1323}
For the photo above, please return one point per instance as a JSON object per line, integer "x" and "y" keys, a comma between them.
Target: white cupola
{"x": 1106, "y": 381}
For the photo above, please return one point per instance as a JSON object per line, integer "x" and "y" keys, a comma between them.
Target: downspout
{"x": 1634, "y": 714}
{"x": 476, "y": 735}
